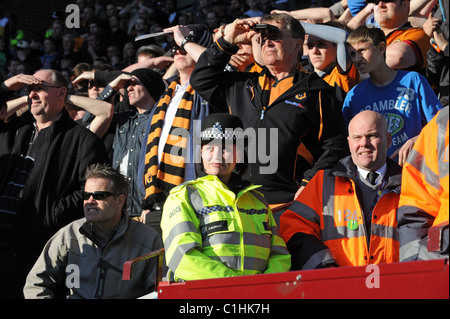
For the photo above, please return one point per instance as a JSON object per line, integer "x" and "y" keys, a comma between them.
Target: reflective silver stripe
{"x": 255, "y": 263}
{"x": 260, "y": 197}
{"x": 197, "y": 203}
{"x": 195, "y": 198}
{"x": 328, "y": 200}
{"x": 262, "y": 241}
{"x": 276, "y": 250}
{"x": 319, "y": 258}
{"x": 305, "y": 212}
{"x": 385, "y": 231}
{"x": 233, "y": 262}
{"x": 332, "y": 233}
{"x": 417, "y": 160}
{"x": 442, "y": 122}
{"x": 275, "y": 231}
{"x": 179, "y": 253}
{"x": 222, "y": 238}
{"x": 233, "y": 238}
{"x": 250, "y": 263}
{"x": 410, "y": 251}
{"x": 178, "y": 229}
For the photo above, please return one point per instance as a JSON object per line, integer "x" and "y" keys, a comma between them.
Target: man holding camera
{"x": 310, "y": 131}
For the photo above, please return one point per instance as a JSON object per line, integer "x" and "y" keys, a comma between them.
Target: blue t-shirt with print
{"x": 408, "y": 103}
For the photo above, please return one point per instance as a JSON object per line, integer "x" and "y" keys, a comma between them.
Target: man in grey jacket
{"x": 85, "y": 258}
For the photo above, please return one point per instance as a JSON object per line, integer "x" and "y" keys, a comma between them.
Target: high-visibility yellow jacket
{"x": 210, "y": 232}
{"x": 325, "y": 224}
{"x": 424, "y": 202}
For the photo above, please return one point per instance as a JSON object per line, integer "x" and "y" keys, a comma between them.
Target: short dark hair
{"x": 375, "y": 36}
{"x": 120, "y": 183}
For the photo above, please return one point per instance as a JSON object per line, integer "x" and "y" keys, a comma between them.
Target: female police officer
{"x": 219, "y": 225}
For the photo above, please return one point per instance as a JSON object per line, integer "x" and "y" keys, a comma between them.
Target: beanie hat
{"x": 152, "y": 81}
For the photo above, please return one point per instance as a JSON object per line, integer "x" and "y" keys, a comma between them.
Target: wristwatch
{"x": 186, "y": 40}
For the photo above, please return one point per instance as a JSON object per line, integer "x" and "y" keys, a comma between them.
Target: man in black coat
{"x": 43, "y": 155}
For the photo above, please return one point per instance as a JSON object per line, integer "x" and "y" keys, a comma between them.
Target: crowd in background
{"x": 106, "y": 37}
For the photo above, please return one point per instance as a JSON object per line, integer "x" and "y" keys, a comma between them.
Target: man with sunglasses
{"x": 300, "y": 106}
{"x": 44, "y": 155}
{"x": 85, "y": 258}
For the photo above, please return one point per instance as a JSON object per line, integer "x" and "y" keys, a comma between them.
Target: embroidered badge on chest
{"x": 298, "y": 97}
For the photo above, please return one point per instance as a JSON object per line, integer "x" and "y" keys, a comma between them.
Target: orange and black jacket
{"x": 303, "y": 125}
{"x": 425, "y": 202}
{"x": 326, "y": 226}
{"x": 416, "y": 39}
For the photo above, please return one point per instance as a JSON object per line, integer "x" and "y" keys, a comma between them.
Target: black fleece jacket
{"x": 52, "y": 193}
{"x": 304, "y": 126}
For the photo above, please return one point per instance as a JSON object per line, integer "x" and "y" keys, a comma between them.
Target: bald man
{"x": 44, "y": 155}
{"x": 346, "y": 215}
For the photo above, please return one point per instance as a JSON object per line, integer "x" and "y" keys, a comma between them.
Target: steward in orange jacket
{"x": 344, "y": 217}
{"x": 425, "y": 202}
{"x": 325, "y": 225}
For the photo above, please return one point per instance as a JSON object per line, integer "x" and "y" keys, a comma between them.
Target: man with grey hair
{"x": 300, "y": 108}
{"x": 107, "y": 238}
{"x": 44, "y": 155}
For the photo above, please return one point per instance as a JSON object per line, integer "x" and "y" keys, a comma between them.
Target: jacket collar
{"x": 63, "y": 123}
{"x": 88, "y": 230}
{"x": 347, "y": 169}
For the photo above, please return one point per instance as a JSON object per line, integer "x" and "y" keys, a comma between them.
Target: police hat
{"x": 222, "y": 126}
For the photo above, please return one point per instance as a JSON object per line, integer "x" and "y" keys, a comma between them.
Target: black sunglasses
{"x": 272, "y": 36}
{"x": 176, "y": 48}
{"x": 99, "y": 195}
{"x": 38, "y": 88}
{"x": 378, "y": 1}
{"x": 91, "y": 84}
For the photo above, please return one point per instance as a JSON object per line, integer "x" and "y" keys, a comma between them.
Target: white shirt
{"x": 381, "y": 172}
{"x": 172, "y": 109}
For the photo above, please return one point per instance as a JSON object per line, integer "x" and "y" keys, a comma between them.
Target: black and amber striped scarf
{"x": 170, "y": 172}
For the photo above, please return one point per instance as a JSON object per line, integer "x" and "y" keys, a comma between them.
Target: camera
{"x": 264, "y": 28}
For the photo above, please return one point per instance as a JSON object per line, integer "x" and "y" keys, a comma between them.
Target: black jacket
{"x": 306, "y": 121}
{"x": 52, "y": 193}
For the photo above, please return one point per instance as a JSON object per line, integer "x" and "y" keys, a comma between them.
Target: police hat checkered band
{"x": 214, "y": 133}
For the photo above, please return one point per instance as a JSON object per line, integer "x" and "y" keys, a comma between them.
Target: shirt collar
{"x": 381, "y": 172}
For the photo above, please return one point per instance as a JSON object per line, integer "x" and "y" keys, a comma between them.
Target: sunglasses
{"x": 38, "y": 88}
{"x": 133, "y": 82}
{"x": 376, "y": 2}
{"x": 176, "y": 48}
{"x": 273, "y": 36}
{"x": 92, "y": 84}
{"x": 99, "y": 195}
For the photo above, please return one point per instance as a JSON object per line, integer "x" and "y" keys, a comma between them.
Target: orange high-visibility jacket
{"x": 325, "y": 224}
{"x": 424, "y": 203}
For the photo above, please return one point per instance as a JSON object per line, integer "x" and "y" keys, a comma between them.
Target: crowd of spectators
{"x": 107, "y": 32}
{"x": 102, "y": 56}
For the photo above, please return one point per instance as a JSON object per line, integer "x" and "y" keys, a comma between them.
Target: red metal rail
{"x": 417, "y": 279}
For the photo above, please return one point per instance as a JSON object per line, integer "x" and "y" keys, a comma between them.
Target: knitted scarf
{"x": 170, "y": 172}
